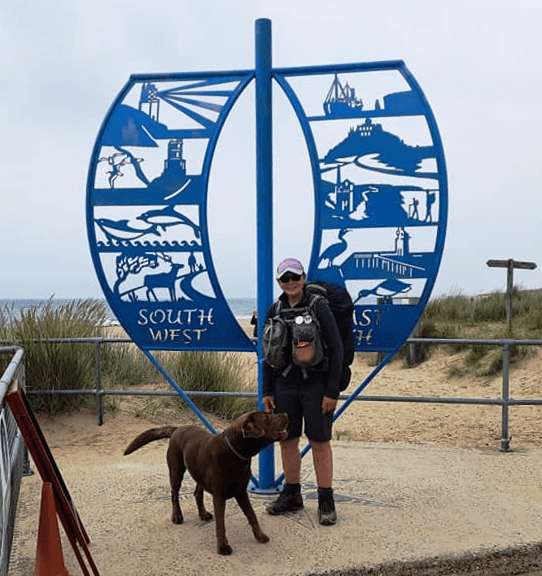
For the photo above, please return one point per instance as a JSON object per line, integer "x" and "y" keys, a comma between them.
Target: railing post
{"x": 98, "y": 373}
{"x": 505, "y": 438}
{"x": 414, "y": 349}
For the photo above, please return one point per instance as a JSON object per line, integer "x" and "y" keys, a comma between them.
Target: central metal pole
{"x": 264, "y": 208}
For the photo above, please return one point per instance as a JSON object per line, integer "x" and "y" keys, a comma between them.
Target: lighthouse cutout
{"x": 402, "y": 242}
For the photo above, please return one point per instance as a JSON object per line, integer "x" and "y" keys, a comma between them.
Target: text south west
{"x": 175, "y": 317}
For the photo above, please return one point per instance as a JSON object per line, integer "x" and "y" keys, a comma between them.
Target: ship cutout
{"x": 375, "y": 274}
{"x": 342, "y": 101}
{"x": 377, "y": 205}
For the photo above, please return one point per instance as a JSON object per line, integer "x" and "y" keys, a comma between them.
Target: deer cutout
{"x": 163, "y": 280}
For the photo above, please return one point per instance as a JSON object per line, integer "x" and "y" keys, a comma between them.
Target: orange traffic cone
{"x": 49, "y": 558}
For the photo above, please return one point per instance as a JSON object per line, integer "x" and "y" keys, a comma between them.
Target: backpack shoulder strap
{"x": 277, "y": 307}
{"x": 314, "y": 298}
{"x": 315, "y": 288}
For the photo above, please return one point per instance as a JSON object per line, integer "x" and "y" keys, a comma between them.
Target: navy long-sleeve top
{"x": 332, "y": 339}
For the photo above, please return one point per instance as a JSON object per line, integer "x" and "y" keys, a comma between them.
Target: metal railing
{"x": 505, "y": 401}
{"x": 13, "y": 456}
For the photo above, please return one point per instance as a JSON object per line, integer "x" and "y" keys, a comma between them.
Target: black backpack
{"x": 292, "y": 337}
{"x": 341, "y": 305}
{"x": 275, "y": 335}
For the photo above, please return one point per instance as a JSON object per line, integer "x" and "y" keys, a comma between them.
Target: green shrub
{"x": 428, "y": 327}
{"x": 533, "y": 322}
{"x": 125, "y": 365}
{"x": 475, "y": 354}
{"x": 450, "y": 307}
{"x": 484, "y": 317}
{"x": 65, "y": 366}
{"x": 456, "y": 371}
{"x": 57, "y": 366}
{"x": 211, "y": 371}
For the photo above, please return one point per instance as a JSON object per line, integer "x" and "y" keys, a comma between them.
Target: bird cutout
{"x": 385, "y": 290}
{"x": 335, "y": 250}
{"x": 116, "y": 161}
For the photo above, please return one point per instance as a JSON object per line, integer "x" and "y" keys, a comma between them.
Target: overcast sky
{"x": 63, "y": 62}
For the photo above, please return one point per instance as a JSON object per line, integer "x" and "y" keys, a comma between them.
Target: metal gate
{"x": 12, "y": 456}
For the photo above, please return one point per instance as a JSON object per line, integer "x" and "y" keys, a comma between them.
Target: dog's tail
{"x": 149, "y": 436}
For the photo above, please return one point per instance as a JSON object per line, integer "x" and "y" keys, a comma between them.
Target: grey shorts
{"x": 303, "y": 404}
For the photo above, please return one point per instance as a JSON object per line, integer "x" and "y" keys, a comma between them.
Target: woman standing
{"x": 309, "y": 397}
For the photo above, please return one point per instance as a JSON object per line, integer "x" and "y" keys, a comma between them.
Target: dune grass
{"x": 212, "y": 371}
{"x": 482, "y": 317}
{"x": 50, "y": 365}
{"x": 71, "y": 366}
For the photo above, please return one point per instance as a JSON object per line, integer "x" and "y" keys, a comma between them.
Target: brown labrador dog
{"x": 219, "y": 463}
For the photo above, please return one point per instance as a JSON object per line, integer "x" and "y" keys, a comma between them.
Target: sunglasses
{"x": 284, "y": 279}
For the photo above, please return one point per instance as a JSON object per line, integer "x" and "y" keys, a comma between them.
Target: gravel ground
{"x": 403, "y": 509}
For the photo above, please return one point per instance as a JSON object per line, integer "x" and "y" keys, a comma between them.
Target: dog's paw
{"x": 225, "y": 549}
{"x": 262, "y": 538}
{"x": 206, "y": 516}
{"x": 177, "y": 518}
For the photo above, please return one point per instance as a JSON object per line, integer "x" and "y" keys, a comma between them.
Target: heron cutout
{"x": 335, "y": 250}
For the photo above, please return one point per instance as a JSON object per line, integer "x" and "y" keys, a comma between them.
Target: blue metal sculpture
{"x": 380, "y": 200}
{"x": 147, "y": 211}
{"x": 380, "y": 192}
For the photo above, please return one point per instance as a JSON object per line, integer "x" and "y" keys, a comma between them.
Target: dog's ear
{"x": 250, "y": 429}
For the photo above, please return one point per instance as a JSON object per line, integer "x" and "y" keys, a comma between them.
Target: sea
{"x": 241, "y": 307}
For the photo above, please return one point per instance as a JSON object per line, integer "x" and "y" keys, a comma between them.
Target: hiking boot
{"x": 289, "y": 500}
{"x": 326, "y": 507}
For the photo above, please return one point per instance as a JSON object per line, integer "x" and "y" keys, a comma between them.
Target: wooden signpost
{"x": 510, "y": 264}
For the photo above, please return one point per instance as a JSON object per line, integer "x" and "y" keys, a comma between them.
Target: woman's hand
{"x": 268, "y": 404}
{"x": 328, "y": 404}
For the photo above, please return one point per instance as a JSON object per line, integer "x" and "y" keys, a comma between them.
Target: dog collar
{"x": 230, "y": 446}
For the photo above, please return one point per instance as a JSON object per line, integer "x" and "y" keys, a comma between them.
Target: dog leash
{"x": 229, "y": 445}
